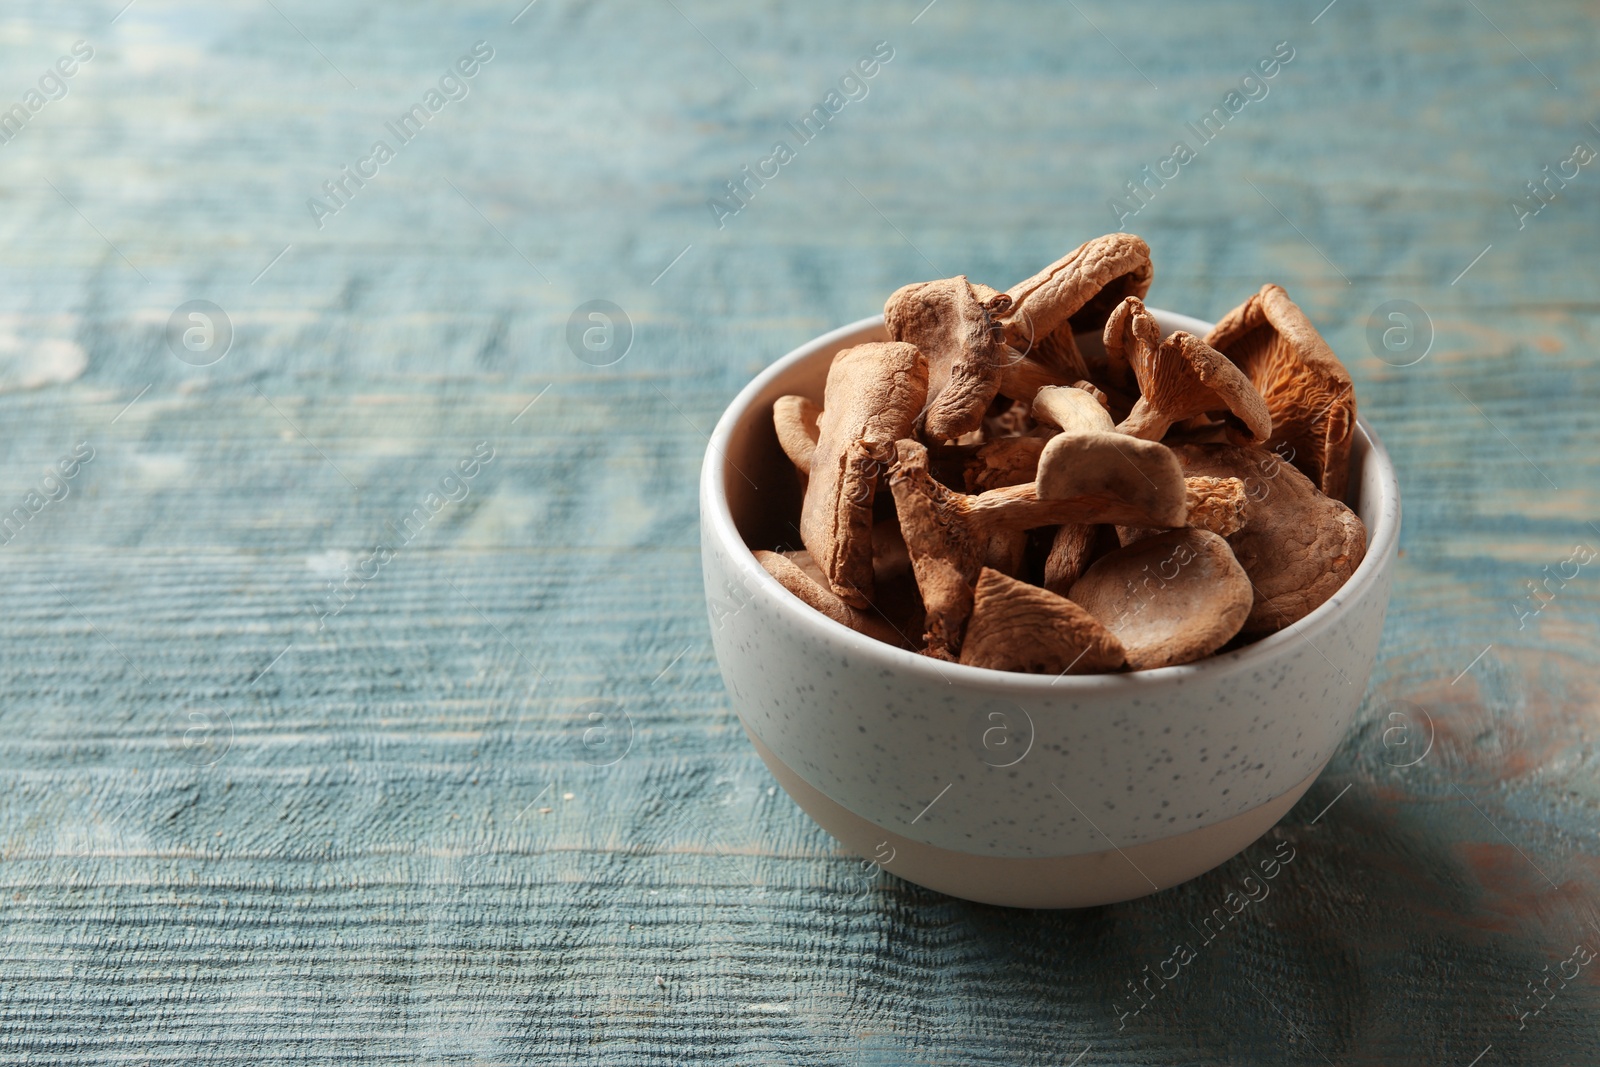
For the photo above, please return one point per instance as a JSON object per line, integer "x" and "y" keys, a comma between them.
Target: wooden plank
{"x": 384, "y": 839}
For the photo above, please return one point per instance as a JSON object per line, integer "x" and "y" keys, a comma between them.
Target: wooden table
{"x": 247, "y": 817}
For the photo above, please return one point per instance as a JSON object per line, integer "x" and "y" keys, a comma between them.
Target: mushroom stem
{"x": 1070, "y": 552}
{"x": 1146, "y": 421}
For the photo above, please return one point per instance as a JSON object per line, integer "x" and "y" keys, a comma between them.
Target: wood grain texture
{"x": 385, "y": 839}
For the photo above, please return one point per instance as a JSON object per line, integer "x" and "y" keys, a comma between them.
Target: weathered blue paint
{"x": 402, "y": 838}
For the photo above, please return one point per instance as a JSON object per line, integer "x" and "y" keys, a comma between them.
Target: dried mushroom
{"x": 1020, "y": 627}
{"x": 1056, "y": 512}
{"x": 795, "y": 419}
{"x": 1076, "y": 293}
{"x": 1180, "y": 377}
{"x": 1298, "y": 545}
{"x": 1306, "y": 389}
{"x": 1110, "y": 466}
{"x": 1171, "y": 598}
{"x": 1071, "y": 408}
{"x": 1076, "y": 409}
{"x": 948, "y": 322}
{"x": 873, "y": 394}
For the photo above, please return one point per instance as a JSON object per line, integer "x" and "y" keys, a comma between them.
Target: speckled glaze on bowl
{"x": 1010, "y": 788}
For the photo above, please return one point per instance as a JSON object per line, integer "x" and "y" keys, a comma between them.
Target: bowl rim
{"x": 716, "y": 520}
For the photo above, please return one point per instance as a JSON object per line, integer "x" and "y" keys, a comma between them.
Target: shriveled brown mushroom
{"x": 794, "y": 578}
{"x": 795, "y": 419}
{"x": 1020, "y": 627}
{"x": 952, "y": 327}
{"x": 1170, "y": 598}
{"x": 1076, "y": 293}
{"x": 948, "y": 534}
{"x": 1297, "y": 545}
{"x": 1180, "y": 377}
{"x": 1113, "y": 466}
{"x": 1306, "y": 389}
{"x": 1073, "y": 409}
{"x": 873, "y": 394}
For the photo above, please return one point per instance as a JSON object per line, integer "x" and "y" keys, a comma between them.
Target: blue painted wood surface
{"x": 231, "y": 830}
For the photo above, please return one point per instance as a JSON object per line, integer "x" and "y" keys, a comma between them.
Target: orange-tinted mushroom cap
{"x": 1306, "y": 388}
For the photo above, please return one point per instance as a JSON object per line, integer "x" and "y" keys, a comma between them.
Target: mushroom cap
{"x": 873, "y": 394}
{"x": 1306, "y": 388}
{"x": 1181, "y": 377}
{"x": 795, "y": 419}
{"x": 1077, "y": 291}
{"x": 1297, "y": 545}
{"x": 1071, "y": 408}
{"x": 1171, "y": 598}
{"x": 950, "y": 324}
{"x": 1142, "y": 475}
{"x": 946, "y": 546}
{"x": 1020, "y": 627}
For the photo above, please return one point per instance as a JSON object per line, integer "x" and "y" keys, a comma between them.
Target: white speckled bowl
{"x": 1011, "y": 788}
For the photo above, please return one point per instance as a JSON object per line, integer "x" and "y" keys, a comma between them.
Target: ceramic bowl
{"x": 1011, "y": 788}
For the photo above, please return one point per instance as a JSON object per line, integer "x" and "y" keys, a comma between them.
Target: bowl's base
{"x": 1080, "y": 881}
